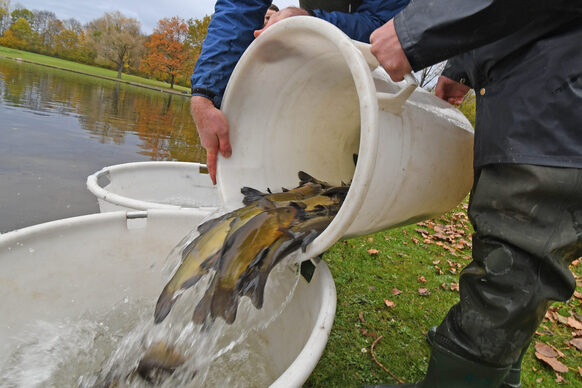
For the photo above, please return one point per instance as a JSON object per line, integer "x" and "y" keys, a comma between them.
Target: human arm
{"x": 229, "y": 33}
{"x": 359, "y": 24}
{"x": 212, "y": 128}
{"x": 429, "y": 33}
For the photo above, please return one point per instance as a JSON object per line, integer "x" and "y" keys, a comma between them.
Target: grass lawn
{"x": 398, "y": 283}
{"x": 88, "y": 70}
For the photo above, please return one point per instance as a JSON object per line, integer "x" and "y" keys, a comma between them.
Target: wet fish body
{"x": 243, "y": 248}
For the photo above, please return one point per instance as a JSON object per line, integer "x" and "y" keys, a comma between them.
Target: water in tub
{"x": 100, "y": 349}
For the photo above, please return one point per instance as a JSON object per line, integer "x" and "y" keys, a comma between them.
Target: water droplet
{"x": 31, "y": 250}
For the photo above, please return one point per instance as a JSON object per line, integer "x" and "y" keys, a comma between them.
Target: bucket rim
{"x": 117, "y": 199}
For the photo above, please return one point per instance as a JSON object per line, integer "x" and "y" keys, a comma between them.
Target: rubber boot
{"x": 513, "y": 378}
{"x": 449, "y": 370}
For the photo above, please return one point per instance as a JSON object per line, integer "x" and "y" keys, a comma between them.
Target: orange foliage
{"x": 166, "y": 52}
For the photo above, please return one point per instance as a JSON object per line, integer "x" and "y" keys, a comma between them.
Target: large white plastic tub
{"x": 154, "y": 185}
{"x": 306, "y": 97}
{"x": 63, "y": 269}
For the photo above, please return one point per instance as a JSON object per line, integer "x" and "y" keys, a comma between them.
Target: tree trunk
{"x": 119, "y": 69}
{"x": 172, "y": 78}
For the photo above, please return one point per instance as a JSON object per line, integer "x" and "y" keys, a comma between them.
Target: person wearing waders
{"x": 524, "y": 61}
{"x": 234, "y": 25}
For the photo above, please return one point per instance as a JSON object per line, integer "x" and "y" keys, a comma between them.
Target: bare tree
{"x": 427, "y": 77}
{"x": 47, "y": 26}
{"x": 115, "y": 37}
{"x": 4, "y": 15}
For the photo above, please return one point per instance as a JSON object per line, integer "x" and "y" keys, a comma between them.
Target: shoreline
{"x": 132, "y": 83}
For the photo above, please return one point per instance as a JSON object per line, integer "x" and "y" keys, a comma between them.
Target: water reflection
{"x": 58, "y": 127}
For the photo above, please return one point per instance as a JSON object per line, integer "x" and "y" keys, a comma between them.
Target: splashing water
{"x": 102, "y": 348}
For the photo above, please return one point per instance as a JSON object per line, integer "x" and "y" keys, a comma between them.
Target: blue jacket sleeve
{"x": 360, "y": 24}
{"x": 230, "y": 32}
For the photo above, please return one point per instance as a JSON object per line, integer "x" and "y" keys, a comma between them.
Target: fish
{"x": 159, "y": 361}
{"x": 202, "y": 254}
{"x": 305, "y": 190}
{"x": 243, "y": 248}
{"x": 252, "y": 283}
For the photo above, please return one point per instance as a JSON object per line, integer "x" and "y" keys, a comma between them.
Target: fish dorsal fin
{"x": 251, "y": 195}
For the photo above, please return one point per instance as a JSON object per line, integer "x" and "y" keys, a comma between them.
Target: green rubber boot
{"x": 449, "y": 370}
{"x": 513, "y": 378}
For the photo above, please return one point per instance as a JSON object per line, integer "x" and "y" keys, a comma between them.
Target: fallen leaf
{"x": 577, "y": 343}
{"x": 574, "y": 323}
{"x": 560, "y": 379}
{"x": 370, "y": 239}
{"x": 580, "y": 370}
{"x": 422, "y": 279}
{"x": 455, "y": 287}
{"x": 439, "y": 271}
{"x": 373, "y": 251}
{"x": 361, "y": 315}
{"x": 539, "y": 381}
{"x": 368, "y": 333}
{"x": 389, "y": 303}
{"x": 371, "y": 288}
{"x": 436, "y": 262}
{"x": 553, "y": 362}
{"x": 549, "y": 316}
{"x": 396, "y": 291}
{"x": 578, "y": 295}
{"x": 423, "y": 292}
{"x": 545, "y": 350}
{"x": 415, "y": 241}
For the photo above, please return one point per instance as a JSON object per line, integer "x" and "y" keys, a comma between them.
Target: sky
{"x": 148, "y": 12}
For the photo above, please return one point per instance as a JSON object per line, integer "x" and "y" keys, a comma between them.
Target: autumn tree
{"x": 115, "y": 37}
{"x": 166, "y": 52}
{"x": 18, "y": 35}
{"x": 197, "y": 30}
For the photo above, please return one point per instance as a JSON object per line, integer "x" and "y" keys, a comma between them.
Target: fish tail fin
{"x": 309, "y": 238}
{"x": 254, "y": 289}
{"x": 224, "y": 304}
{"x": 202, "y": 310}
{"x": 164, "y": 305}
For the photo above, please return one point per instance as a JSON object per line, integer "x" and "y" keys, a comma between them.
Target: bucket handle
{"x": 386, "y": 101}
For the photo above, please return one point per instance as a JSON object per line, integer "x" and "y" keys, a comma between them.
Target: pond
{"x": 58, "y": 127}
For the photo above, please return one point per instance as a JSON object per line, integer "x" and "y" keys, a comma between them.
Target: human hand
{"x": 451, "y": 91}
{"x": 212, "y": 127}
{"x": 387, "y": 49}
{"x": 282, "y": 14}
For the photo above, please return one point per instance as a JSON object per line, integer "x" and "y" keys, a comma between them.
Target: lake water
{"x": 58, "y": 127}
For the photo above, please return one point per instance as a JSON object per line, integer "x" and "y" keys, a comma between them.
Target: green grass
{"x": 364, "y": 281}
{"x": 88, "y": 70}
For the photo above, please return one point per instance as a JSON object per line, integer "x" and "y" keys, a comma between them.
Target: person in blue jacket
{"x": 524, "y": 60}
{"x": 233, "y": 27}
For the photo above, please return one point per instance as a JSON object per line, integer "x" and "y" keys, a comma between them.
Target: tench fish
{"x": 158, "y": 362}
{"x": 202, "y": 253}
{"x": 242, "y": 249}
{"x": 252, "y": 283}
{"x": 305, "y": 190}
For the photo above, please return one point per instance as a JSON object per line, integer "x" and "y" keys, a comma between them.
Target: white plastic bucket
{"x": 306, "y": 97}
{"x": 63, "y": 269}
{"x": 154, "y": 185}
